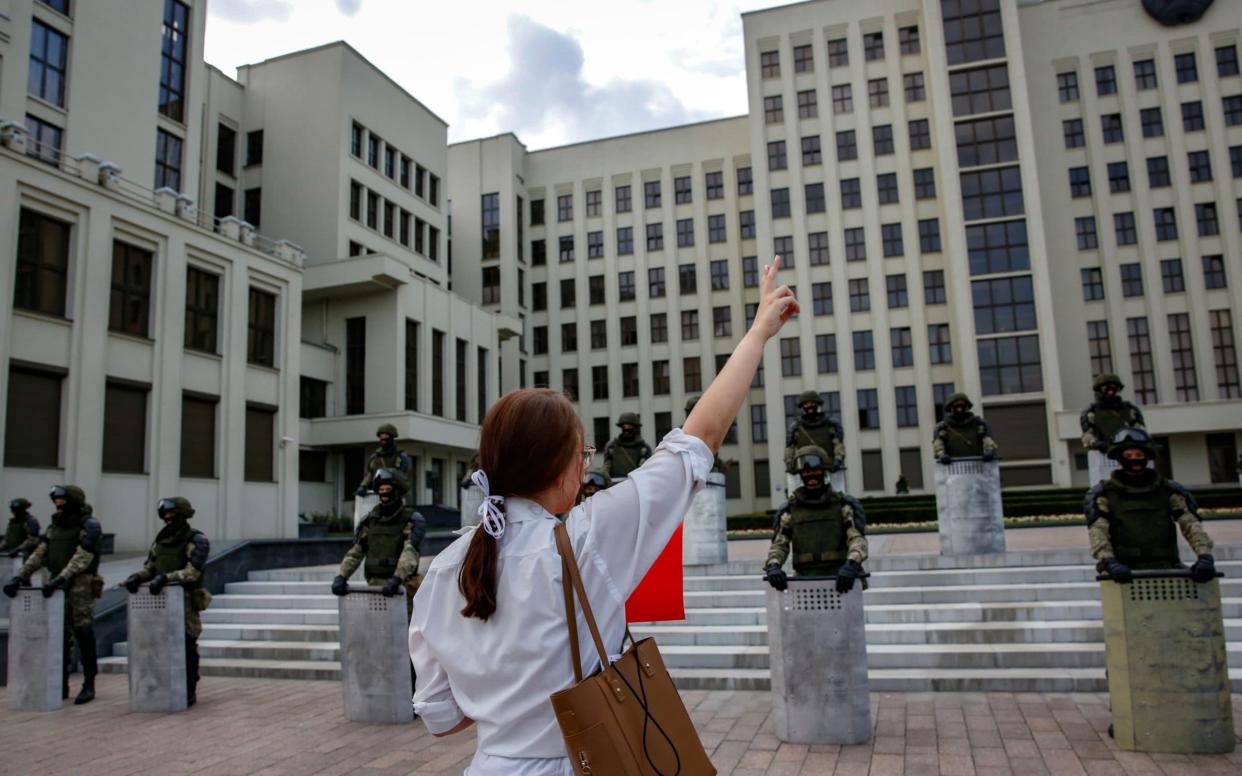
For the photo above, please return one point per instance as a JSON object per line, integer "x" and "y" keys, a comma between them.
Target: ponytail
{"x": 477, "y": 580}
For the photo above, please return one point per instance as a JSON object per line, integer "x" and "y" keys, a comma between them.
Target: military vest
{"x": 62, "y": 542}
{"x": 625, "y": 458}
{"x": 964, "y": 440}
{"x": 1109, "y": 419}
{"x": 818, "y": 531}
{"x": 16, "y": 533}
{"x": 821, "y": 434}
{"x": 172, "y": 552}
{"x": 1140, "y": 526}
{"x": 385, "y": 542}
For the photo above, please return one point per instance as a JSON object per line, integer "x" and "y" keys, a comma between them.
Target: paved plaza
{"x": 272, "y": 726}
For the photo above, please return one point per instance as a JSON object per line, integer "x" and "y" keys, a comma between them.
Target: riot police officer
{"x": 177, "y": 557}
{"x": 1131, "y": 516}
{"x": 826, "y": 529}
{"x": 593, "y": 482}
{"x": 627, "y": 451}
{"x": 69, "y": 549}
{"x": 387, "y": 456}
{"x": 1108, "y": 414}
{"x": 962, "y": 433}
{"x": 22, "y": 534}
{"x": 814, "y": 428}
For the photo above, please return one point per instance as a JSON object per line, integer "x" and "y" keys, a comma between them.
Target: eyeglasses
{"x": 588, "y": 453}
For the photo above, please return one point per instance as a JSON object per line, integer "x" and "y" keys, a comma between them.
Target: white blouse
{"x": 500, "y": 673}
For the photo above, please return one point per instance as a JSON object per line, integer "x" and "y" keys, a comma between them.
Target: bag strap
{"x": 569, "y": 565}
{"x": 574, "y": 653}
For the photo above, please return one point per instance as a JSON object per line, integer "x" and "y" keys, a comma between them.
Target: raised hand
{"x": 776, "y": 303}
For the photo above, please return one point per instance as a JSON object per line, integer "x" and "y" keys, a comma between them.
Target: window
{"x": 745, "y": 184}
{"x": 1067, "y": 86}
{"x": 687, "y": 279}
{"x": 45, "y": 141}
{"x": 564, "y": 207}
{"x": 1080, "y": 182}
{"x": 803, "y": 59}
{"x": 173, "y": 57}
{"x": 907, "y": 406}
{"x": 1192, "y": 116}
{"x": 897, "y": 294}
{"x": 1145, "y": 74}
{"x": 842, "y": 99}
{"x": 167, "y": 160}
{"x": 689, "y": 325}
{"x": 783, "y": 247}
{"x": 1205, "y": 218}
{"x": 569, "y": 337}
{"x": 569, "y": 385}
{"x": 491, "y": 226}
{"x": 1235, "y": 161}
{"x": 815, "y": 198}
{"x": 625, "y": 286}
{"x": 929, "y": 235}
{"x": 390, "y": 161}
{"x": 903, "y": 346}
{"x": 908, "y": 40}
{"x": 933, "y": 287}
{"x": 940, "y": 348}
{"x": 780, "y": 203}
{"x": 1181, "y": 348}
{"x": 629, "y": 331}
{"x": 622, "y": 197}
{"x": 260, "y": 439}
{"x": 411, "y": 366}
{"x": 198, "y": 435}
{"x": 860, "y": 298}
{"x": 776, "y": 155}
{"x": 1223, "y": 351}
{"x": 722, "y": 322}
{"x": 655, "y": 282}
{"x": 915, "y": 90}
{"x": 746, "y": 224}
{"x": 877, "y": 92}
{"x": 1152, "y": 122}
{"x": 873, "y": 46}
{"x": 868, "y": 408}
{"x": 972, "y": 31}
{"x": 1112, "y": 129}
{"x": 890, "y": 237}
{"x": 886, "y": 187}
{"x": 758, "y": 423}
{"x": 750, "y": 272}
{"x": 882, "y": 139}
{"x": 1184, "y": 64}
{"x": 629, "y": 380}
{"x": 750, "y": 310}
{"x": 406, "y": 162}
{"x": 1072, "y": 129}
{"x": 986, "y": 141}
{"x": 42, "y": 264}
{"x": 1227, "y": 61}
{"x": 651, "y": 194}
{"x": 403, "y": 231}
{"x": 594, "y": 201}
{"x": 992, "y": 193}
{"x": 433, "y": 190}
{"x": 491, "y": 285}
{"x": 49, "y": 53}
{"x": 715, "y": 181}
{"x": 773, "y": 113}
{"x": 1004, "y": 304}
{"x": 808, "y": 107}
{"x": 681, "y": 190}
{"x": 355, "y": 365}
{"x": 437, "y": 373}
{"x": 1084, "y": 229}
{"x": 770, "y": 64}
{"x": 685, "y": 232}
{"x": 202, "y": 306}
{"x": 720, "y": 275}
{"x": 1166, "y": 223}
{"x": 565, "y": 249}
{"x": 599, "y": 385}
{"x": 1200, "y": 167}
{"x": 1099, "y": 348}
{"x": 1131, "y": 279}
{"x": 599, "y": 335}
{"x": 716, "y": 229}
{"x": 659, "y": 327}
{"x": 817, "y": 245}
{"x": 625, "y": 240}
{"x": 821, "y": 298}
{"x": 538, "y": 296}
{"x": 920, "y": 134}
{"x": 568, "y": 293}
{"x": 811, "y": 153}
{"x": 855, "y": 245}
{"x": 595, "y": 289}
{"x": 1232, "y": 108}
{"x": 131, "y": 290}
{"x": 924, "y": 183}
{"x": 1123, "y": 225}
{"x": 390, "y": 213}
{"x": 847, "y": 145}
{"x": 1171, "y": 276}
{"x": 838, "y": 52}
{"x": 124, "y": 428}
{"x": 1214, "y": 271}
{"x": 595, "y": 245}
{"x": 1092, "y": 284}
{"x": 1118, "y": 177}
{"x": 1105, "y": 80}
{"x": 655, "y": 237}
{"x": 982, "y": 90}
{"x": 1142, "y": 367}
{"x": 252, "y": 204}
{"x": 1158, "y": 172}
{"x": 261, "y": 341}
{"x": 1010, "y": 365}
{"x": 864, "y": 350}
{"x": 254, "y": 148}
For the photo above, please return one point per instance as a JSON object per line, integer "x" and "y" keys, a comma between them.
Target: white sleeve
{"x": 433, "y": 697}
{"x": 627, "y": 526}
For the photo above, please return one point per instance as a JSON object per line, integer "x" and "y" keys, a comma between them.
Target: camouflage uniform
{"x": 623, "y": 455}
{"x": 395, "y": 539}
{"x": 392, "y": 458}
{"x": 1134, "y": 521}
{"x": 826, "y": 528}
{"x": 967, "y": 436}
{"x": 22, "y": 534}
{"x": 1105, "y": 416}
{"x": 818, "y": 430}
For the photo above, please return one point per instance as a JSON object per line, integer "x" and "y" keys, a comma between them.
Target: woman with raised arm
{"x": 488, "y": 637}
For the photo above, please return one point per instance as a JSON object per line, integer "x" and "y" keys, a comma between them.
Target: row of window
{"x": 42, "y": 280}
{"x": 1198, "y": 167}
{"x": 913, "y": 84}
{"x": 1151, "y": 121}
{"x": 847, "y": 145}
{"x": 623, "y": 202}
{"x": 226, "y": 149}
{"x": 1185, "y": 66}
{"x": 383, "y": 157}
{"x": 1181, "y": 351}
{"x": 393, "y": 221}
{"x": 32, "y": 435}
{"x": 1207, "y": 224}
{"x": 839, "y": 52}
{"x": 1172, "y": 278}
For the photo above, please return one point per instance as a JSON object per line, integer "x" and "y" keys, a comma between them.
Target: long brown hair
{"x": 529, "y": 438}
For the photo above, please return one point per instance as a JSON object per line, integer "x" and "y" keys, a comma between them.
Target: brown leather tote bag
{"x": 627, "y": 719}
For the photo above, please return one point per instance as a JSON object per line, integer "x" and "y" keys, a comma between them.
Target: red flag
{"x": 659, "y": 596}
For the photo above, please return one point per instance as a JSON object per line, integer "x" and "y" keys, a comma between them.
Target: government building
{"x": 218, "y": 286}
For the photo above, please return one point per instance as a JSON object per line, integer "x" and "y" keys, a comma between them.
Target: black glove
{"x": 846, "y": 575}
{"x": 11, "y": 587}
{"x": 340, "y": 586}
{"x": 132, "y": 583}
{"x": 775, "y": 576}
{"x": 837, "y": 466}
{"x": 1204, "y": 569}
{"x": 159, "y": 583}
{"x": 988, "y": 455}
{"x": 361, "y": 491}
{"x": 52, "y": 585}
{"x": 1119, "y": 571}
{"x": 390, "y": 587}
{"x": 944, "y": 459}
{"x": 1101, "y": 445}
{"x": 15, "y": 553}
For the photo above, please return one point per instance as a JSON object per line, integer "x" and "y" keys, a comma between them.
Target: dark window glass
{"x": 130, "y": 304}
{"x": 202, "y": 310}
{"x": 1192, "y": 116}
{"x": 1118, "y": 177}
{"x": 992, "y": 193}
{"x": 986, "y": 141}
{"x": 1105, "y": 80}
{"x": 32, "y": 418}
{"x": 261, "y": 339}
{"x": 1084, "y": 230}
{"x": 1145, "y": 74}
{"x": 1158, "y": 172}
{"x": 173, "y": 57}
{"x": 920, "y": 134}
{"x": 929, "y": 235}
{"x": 1003, "y": 304}
{"x": 982, "y": 90}
{"x": 260, "y": 444}
{"x": 198, "y": 436}
{"x": 972, "y": 31}
{"x": 1067, "y": 87}
{"x": 254, "y": 147}
{"x": 1010, "y": 365}
{"x": 1099, "y": 348}
{"x": 1187, "y": 71}
{"x": 1142, "y": 365}
{"x": 167, "y": 160}
{"x": 882, "y": 139}
{"x": 1227, "y": 61}
{"x": 940, "y": 347}
{"x": 864, "y": 350}
{"x": 491, "y": 225}
{"x": 1131, "y": 279}
{"x": 1123, "y": 227}
{"x": 745, "y": 184}
{"x": 1152, "y": 122}
{"x": 42, "y": 264}
{"x": 933, "y": 287}
{"x": 412, "y": 365}
{"x": 847, "y": 145}
{"x": 49, "y": 55}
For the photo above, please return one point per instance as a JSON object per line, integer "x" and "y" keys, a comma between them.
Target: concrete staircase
{"x": 1019, "y": 622}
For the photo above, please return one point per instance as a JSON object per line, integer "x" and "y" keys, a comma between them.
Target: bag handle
{"x": 570, "y": 575}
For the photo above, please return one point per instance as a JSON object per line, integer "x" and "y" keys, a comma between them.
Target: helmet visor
{"x": 594, "y": 478}
{"x": 165, "y": 505}
{"x": 1131, "y": 436}
{"x": 58, "y": 491}
{"x": 810, "y": 461}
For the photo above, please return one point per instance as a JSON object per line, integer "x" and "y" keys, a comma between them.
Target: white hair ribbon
{"x": 490, "y": 515}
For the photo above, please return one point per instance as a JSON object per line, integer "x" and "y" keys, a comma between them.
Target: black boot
{"x": 90, "y": 665}
{"x": 191, "y": 670}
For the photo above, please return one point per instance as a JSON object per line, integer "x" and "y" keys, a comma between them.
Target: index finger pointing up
{"x": 768, "y": 283}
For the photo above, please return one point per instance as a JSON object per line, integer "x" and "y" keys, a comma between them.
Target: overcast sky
{"x": 552, "y": 71}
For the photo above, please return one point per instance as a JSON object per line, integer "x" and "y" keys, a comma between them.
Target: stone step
{"x": 289, "y": 616}
{"x": 281, "y": 588}
{"x": 234, "y": 601}
{"x": 270, "y": 632}
{"x": 266, "y": 669}
{"x": 299, "y": 574}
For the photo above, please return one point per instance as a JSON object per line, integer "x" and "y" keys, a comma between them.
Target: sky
{"x": 551, "y": 71}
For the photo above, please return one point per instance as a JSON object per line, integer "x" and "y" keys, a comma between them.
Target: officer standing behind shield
{"x": 816, "y": 429}
{"x": 22, "y": 534}
{"x": 962, "y": 433}
{"x": 387, "y": 456}
{"x": 178, "y": 557}
{"x": 1108, "y": 414}
{"x": 593, "y": 482}
{"x": 627, "y": 451}
{"x": 70, "y": 552}
{"x": 825, "y": 529}
{"x": 1131, "y": 516}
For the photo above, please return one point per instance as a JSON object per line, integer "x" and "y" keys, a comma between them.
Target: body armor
{"x": 819, "y": 540}
{"x": 1140, "y": 528}
{"x": 171, "y": 550}
{"x": 821, "y": 433}
{"x": 16, "y": 533}
{"x": 1110, "y": 417}
{"x": 64, "y": 536}
{"x": 963, "y": 440}
{"x": 385, "y": 541}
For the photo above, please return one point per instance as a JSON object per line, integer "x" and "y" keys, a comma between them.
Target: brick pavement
{"x": 268, "y": 727}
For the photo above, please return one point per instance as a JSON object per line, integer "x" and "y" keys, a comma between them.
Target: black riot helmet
{"x": 812, "y": 463}
{"x": 1132, "y": 439}
{"x": 595, "y": 478}
{"x": 387, "y": 477}
{"x": 177, "y": 506}
{"x": 18, "y": 506}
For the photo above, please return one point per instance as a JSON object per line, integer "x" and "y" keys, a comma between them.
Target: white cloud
{"x": 349, "y": 7}
{"x": 247, "y": 11}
